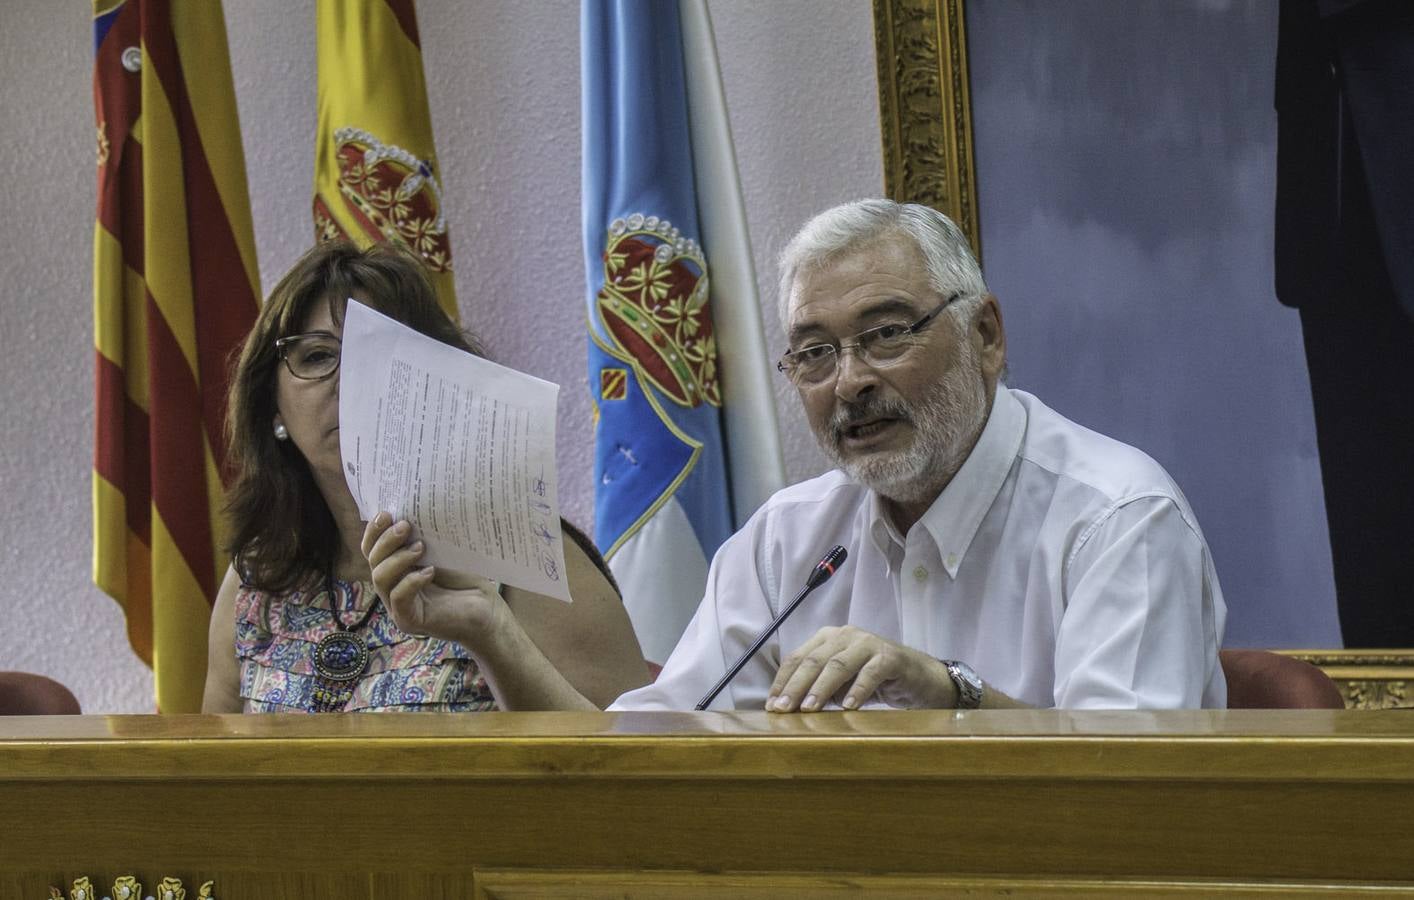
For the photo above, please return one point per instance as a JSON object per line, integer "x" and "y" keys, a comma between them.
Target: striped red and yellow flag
{"x": 375, "y": 165}
{"x": 175, "y": 291}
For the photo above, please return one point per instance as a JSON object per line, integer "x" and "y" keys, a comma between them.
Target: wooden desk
{"x": 696, "y": 805}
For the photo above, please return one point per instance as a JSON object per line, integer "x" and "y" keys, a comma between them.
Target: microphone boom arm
{"x": 818, "y": 576}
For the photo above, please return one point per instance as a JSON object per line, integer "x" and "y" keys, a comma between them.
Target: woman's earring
{"x": 281, "y": 432}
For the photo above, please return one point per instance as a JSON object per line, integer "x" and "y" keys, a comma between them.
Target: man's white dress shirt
{"x": 1065, "y": 567}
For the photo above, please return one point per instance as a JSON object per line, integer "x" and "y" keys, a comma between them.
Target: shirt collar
{"x": 955, "y": 516}
{"x": 883, "y": 533}
{"x": 953, "y": 519}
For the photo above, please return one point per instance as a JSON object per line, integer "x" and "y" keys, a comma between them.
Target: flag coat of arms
{"x": 175, "y": 291}
{"x": 668, "y": 487}
{"x": 375, "y": 165}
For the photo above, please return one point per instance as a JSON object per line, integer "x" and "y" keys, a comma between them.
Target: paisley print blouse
{"x": 275, "y": 639}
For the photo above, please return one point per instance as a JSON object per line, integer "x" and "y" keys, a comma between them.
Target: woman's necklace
{"x": 340, "y": 657}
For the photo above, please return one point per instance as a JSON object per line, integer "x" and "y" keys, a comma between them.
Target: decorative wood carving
{"x": 127, "y": 887}
{"x": 925, "y": 108}
{"x": 1368, "y": 679}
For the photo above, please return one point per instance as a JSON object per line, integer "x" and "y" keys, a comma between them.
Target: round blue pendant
{"x": 340, "y": 657}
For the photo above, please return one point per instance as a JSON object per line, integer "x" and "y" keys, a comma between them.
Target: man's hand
{"x": 852, "y": 665}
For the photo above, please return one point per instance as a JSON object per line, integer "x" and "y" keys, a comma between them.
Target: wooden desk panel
{"x": 750, "y": 804}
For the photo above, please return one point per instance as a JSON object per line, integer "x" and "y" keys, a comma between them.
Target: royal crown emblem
{"x": 393, "y": 194}
{"x": 654, "y": 305}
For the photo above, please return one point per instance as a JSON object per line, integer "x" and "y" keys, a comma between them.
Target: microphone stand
{"x": 821, "y": 573}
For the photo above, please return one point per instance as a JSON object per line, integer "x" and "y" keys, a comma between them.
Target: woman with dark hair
{"x": 303, "y": 621}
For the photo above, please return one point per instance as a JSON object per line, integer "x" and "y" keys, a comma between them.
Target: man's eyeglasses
{"x": 310, "y": 356}
{"x": 879, "y": 348}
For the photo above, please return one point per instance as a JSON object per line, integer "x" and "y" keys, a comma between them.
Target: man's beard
{"x": 946, "y": 425}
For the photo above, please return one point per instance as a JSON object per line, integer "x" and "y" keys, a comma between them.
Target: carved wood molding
{"x": 1368, "y": 679}
{"x": 925, "y": 108}
{"x": 127, "y": 887}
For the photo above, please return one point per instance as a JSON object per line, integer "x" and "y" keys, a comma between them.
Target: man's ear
{"x": 988, "y": 331}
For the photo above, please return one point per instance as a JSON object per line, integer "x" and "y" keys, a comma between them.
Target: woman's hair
{"x": 281, "y": 530}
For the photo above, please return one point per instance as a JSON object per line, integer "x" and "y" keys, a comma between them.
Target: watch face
{"x": 968, "y": 683}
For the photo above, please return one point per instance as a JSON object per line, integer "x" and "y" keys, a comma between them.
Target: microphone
{"x": 818, "y": 576}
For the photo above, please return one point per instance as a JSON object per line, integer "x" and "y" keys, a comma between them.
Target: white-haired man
{"x": 999, "y": 554}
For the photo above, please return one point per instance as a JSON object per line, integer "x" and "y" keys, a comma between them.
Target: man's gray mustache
{"x": 855, "y": 413}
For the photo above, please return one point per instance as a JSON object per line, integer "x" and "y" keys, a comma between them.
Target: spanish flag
{"x": 375, "y": 166}
{"x": 175, "y": 291}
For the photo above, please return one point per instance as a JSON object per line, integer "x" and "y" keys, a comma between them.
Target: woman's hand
{"x": 592, "y": 637}
{"x": 422, "y": 600}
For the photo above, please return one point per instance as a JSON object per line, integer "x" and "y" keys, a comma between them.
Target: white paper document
{"x": 461, "y": 447}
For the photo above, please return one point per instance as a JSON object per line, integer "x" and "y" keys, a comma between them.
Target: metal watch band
{"x": 968, "y": 683}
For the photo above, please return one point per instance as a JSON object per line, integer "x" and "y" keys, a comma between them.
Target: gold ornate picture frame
{"x": 926, "y": 108}
{"x": 925, "y": 111}
{"x": 1368, "y": 679}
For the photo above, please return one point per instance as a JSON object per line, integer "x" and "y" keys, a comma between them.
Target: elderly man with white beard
{"x": 999, "y": 554}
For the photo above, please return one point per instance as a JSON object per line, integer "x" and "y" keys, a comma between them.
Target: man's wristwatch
{"x": 967, "y": 681}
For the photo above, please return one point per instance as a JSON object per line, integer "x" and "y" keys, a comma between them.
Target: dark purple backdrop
{"x": 1126, "y": 159}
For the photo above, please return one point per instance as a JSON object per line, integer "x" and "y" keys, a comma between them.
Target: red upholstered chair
{"x": 26, "y": 694}
{"x": 1260, "y": 679}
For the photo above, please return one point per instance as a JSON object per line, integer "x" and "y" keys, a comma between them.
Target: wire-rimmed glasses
{"x": 310, "y": 356}
{"x": 879, "y": 348}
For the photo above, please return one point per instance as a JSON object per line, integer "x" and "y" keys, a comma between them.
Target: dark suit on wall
{"x": 1345, "y": 259}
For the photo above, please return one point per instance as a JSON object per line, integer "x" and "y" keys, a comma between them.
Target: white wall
{"x": 504, "y": 84}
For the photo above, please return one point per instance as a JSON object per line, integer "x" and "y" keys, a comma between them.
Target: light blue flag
{"x": 662, "y": 499}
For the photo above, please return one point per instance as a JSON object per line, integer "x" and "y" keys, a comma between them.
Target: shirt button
{"x": 920, "y": 574}
{"x": 951, "y": 560}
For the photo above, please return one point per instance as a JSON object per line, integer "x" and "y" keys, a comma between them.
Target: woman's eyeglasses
{"x": 310, "y": 356}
